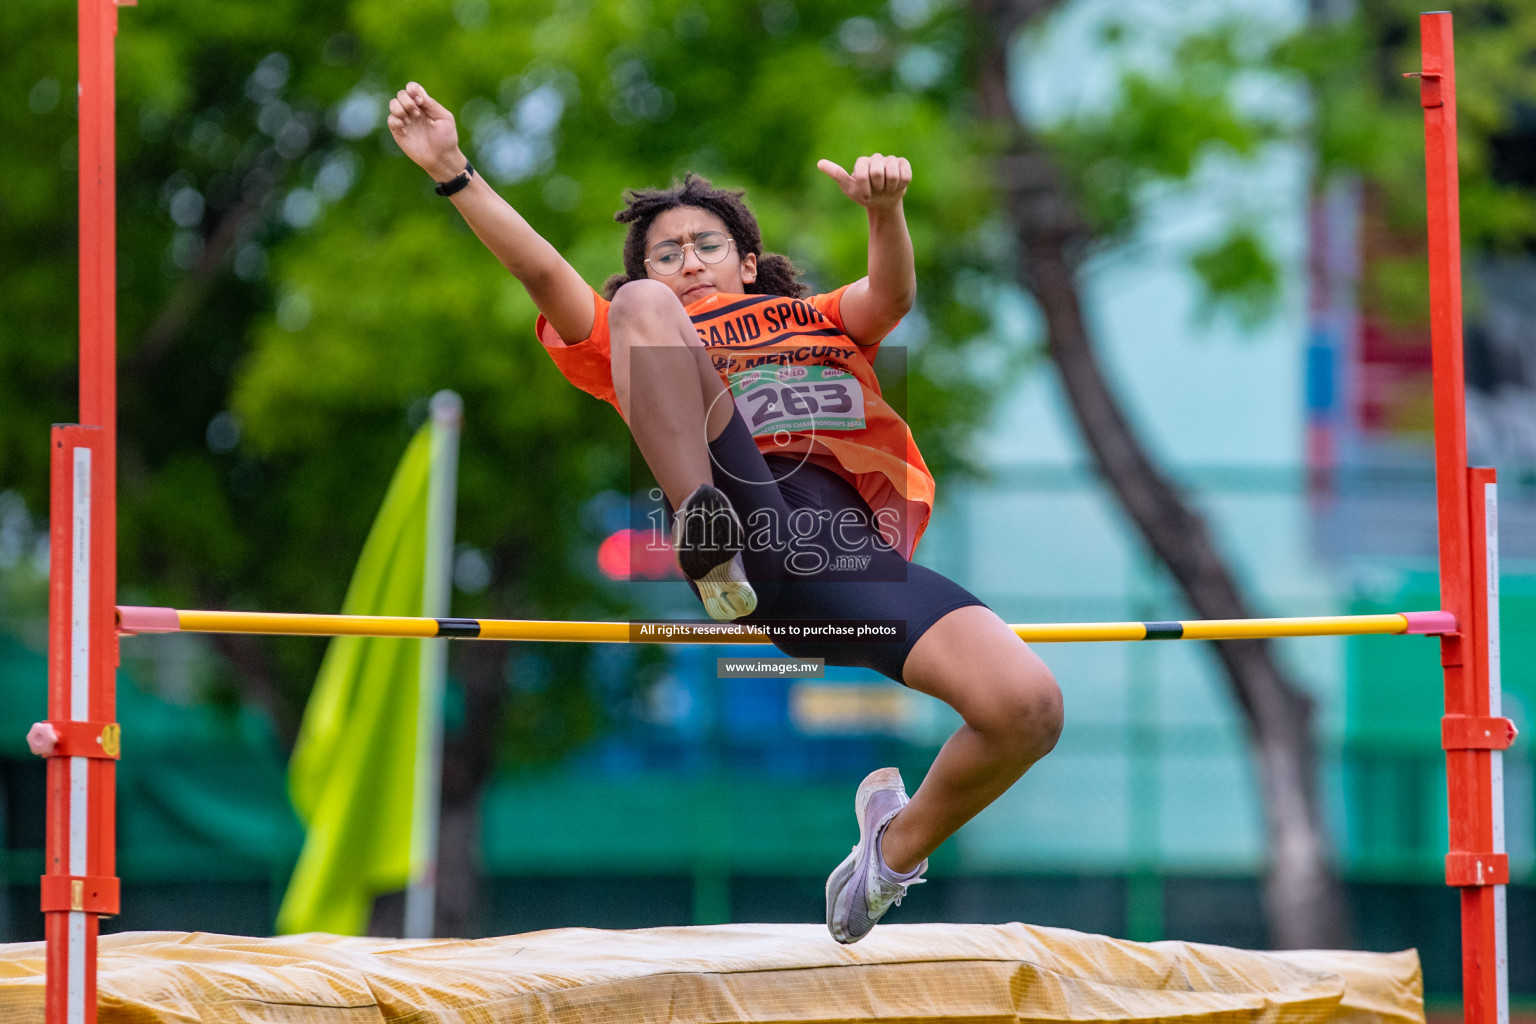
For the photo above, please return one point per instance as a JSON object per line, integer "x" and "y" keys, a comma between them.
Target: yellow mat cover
{"x": 750, "y": 972}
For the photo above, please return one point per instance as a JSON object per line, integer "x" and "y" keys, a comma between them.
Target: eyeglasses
{"x": 710, "y": 247}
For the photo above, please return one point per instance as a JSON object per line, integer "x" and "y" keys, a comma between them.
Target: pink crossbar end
{"x": 134, "y": 619}
{"x": 1430, "y": 623}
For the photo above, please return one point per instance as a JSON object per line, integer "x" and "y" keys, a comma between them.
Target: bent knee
{"x": 1025, "y": 709}
{"x": 643, "y": 300}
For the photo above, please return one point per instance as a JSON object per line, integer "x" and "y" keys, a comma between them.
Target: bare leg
{"x": 1011, "y": 704}
{"x": 670, "y": 395}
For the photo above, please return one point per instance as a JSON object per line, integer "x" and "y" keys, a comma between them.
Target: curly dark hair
{"x": 776, "y": 275}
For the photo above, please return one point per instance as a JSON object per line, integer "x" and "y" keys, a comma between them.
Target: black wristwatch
{"x": 457, "y": 183}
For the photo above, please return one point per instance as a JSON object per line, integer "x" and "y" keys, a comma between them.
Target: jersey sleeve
{"x": 830, "y": 306}
{"x": 587, "y": 363}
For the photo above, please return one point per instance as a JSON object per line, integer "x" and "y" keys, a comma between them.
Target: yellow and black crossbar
{"x": 133, "y": 620}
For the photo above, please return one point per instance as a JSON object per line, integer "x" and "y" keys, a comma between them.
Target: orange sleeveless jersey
{"x": 788, "y": 361}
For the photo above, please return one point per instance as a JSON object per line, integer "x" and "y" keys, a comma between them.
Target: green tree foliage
{"x": 1234, "y": 88}
{"x": 291, "y": 291}
{"x": 1368, "y": 121}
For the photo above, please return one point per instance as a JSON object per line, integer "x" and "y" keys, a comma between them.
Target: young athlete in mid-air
{"x": 799, "y": 494}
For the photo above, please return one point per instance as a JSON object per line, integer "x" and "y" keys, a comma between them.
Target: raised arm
{"x": 872, "y": 305}
{"x": 426, "y": 132}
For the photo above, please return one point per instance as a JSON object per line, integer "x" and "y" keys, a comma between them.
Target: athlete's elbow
{"x": 890, "y": 312}
{"x": 896, "y": 299}
{"x": 539, "y": 269}
{"x": 542, "y": 283}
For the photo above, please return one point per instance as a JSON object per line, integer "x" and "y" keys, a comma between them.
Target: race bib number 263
{"x": 798, "y": 398}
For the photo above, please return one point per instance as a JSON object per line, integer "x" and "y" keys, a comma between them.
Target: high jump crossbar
{"x": 133, "y": 620}
{"x": 81, "y": 886}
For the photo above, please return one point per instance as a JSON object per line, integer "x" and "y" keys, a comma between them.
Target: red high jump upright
{"x": 81, "y": 884}
{"x": 1473, "y": 732}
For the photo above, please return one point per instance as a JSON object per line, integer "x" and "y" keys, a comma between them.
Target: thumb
{"x": 429, "y": 106}
{"x": 843, "y": 178}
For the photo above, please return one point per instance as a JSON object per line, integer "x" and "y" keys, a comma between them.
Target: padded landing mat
{"x": 762, "y": 974}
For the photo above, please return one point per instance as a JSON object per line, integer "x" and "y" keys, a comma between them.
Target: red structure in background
{"x": 636, "y": 555}
{"x": 81, "y": 886}
{"x": 1396, "y": 372}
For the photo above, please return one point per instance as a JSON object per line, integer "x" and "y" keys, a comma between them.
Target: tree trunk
{"x": 237, "y": 224}
{"x": 1303, "y": 899}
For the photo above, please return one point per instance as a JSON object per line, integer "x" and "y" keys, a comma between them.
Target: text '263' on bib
{"x": 798, "y": 398}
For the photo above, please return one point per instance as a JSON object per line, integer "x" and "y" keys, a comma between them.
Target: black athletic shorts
{"x": 815, "y": 554}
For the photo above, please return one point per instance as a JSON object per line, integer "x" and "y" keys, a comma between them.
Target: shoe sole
{"x": 838, "y": 880}
{"x": 723, "y": 587}
{"x": 726, "y": 594}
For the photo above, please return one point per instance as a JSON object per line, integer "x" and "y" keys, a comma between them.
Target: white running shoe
{"x": 707, "y": 538}
{"x": 862, "y": 888}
